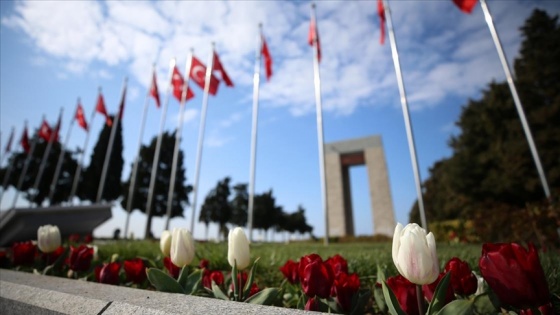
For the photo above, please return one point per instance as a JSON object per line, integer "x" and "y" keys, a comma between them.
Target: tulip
{"x": 406, "y": 293}
{"x": 165, "y": 242}
{"x": 317, "y": 280}
{"x": 23, "y": 253}
{"x": 463, "y": 281}
{"x": 48, "y": 238}
{"x": 171, "y": 268}
{"x": 182, "y": 247}
{"x": 312, "y": 305}
{"x": 290, "y": 271}
{"x": 345, "y": 286}
{"x": 338, "y": 264}
{"x": 414, "y": 254}
{"x": 212, "y": 275}
{"x": 135, "y": 270}
{"x": 80, "y": 258}
{"x": 108, "y": 273}
{"x": 238, "y": 249}
{"x": 430, "y": 289}
{"x": 242, "y": 281}
{"x": 515, "y": 275}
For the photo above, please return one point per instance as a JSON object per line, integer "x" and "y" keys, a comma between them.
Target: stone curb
{"x": 26, "y": 293}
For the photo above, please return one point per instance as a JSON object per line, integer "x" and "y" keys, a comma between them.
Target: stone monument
{"x": 339, "y": 157}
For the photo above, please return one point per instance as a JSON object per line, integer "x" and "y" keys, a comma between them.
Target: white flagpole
{"x": 256, "y": 84}
{"x": 209, "y": 66}
{"x": 10, "y": 140}
{"x": 78, "y": 173}
{"x": 516, "y": 100}
{"x": 319, "y": 110}
{"x": 25, "y": 168}
{"x": 110, "y": 146}
{"x": 8, "y": 171}
{"x": 406, "y": 115}
{"x": 178, "y": 132}
{"x": 46, "y": 154}
{"x": 156, "y": 154}
{"x": 136, "y": 158}
{"x": 54, "y": 181}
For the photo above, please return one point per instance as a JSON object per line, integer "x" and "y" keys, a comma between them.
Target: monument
{"x": 339, "y": 157}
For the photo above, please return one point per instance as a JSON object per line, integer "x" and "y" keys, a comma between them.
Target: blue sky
{"x": 53, "y": 52}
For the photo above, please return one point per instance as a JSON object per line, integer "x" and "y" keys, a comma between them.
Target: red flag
{"x": 9, "y": 144}
{"x": 198, "y": 74}
{"x": 100, "y": 108}
{"x": 25, "y": 141}
{"x": 81, "y": 118}
{"x": 178, "y": 83}
{"x": 54, "y": 137}
{"x": 154, "y": 90}
{"x": 45, "y": 131}
{"x": 313, "y": 37}
{"x": 217, "y": 66}
{"x": 381, "y": 13}
{"x": 267, "y": 58}
{"x": 465, "y": 5}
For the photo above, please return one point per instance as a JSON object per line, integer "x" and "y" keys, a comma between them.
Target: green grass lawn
{"x": 362, "y": 257}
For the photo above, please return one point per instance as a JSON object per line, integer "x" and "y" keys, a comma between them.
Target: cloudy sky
{"x": 53, "y": 52}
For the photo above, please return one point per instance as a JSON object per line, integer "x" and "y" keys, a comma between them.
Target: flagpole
{"x": 406, "y": 115}
{"x": 135, "y": 167}
{"x": 110, "y": 146}
{"x": 516, "y": 100}
{"x": 25, "y": 168}
{"x": 156, "y": 153}
{"x": 8, "y": 172}
{"x": 256, "y": 84}
{"x": 78, "y": 173}
{"x": 60, "y": 157}
{"x": 178, "y": 132}
{"x": 54, "y": 133}
{"x": 201, "y": 134}
{"x": 7, "y": 144}
{"x": 319, "y": 110}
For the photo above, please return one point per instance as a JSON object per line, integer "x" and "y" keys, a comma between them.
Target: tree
{"x": 162, "y": 181}
{"x": 239, "y": 205}
{"x": 216, "y": 207}
{"x": 92, "y": 175}
{"x": 265, "y": 211}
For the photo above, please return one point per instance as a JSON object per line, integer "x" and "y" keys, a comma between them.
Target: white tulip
{"x": 165, "y": 243}
{"x": 238, "y": 249}
{"x": 414, "y": 254}
{"x": 48, "y": 238}
{"x": 182, "y": 247}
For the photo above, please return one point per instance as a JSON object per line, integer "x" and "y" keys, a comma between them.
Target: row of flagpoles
{"x": 205, "y": 77}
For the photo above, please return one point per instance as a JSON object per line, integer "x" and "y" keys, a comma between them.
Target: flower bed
{"x": 340, "y": 278}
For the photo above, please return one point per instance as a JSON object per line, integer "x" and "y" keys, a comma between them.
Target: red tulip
{"x": 338, "y": 264}
{"x": 463, "y": 281}
{"x": 345, "y": 286}
{"x": 80, "y": 258}
{"x": 304, "y": 261}
{"x": 74, "y": 238}
{"x": 24, "y": 253}
{"x": 405, "y": 292}
{"x": 173, "y": 270}
{"x": 515, "y": 275}
{"x": 108, "y": 273}
{"x": 88, "y": 238}
{"x": 312, "y": 305}
{"x": 203, "y": 264}
{"x": 290, "y": 271}
{"x": 135, "y": 270}
{"x": 430, "y": 289}
{"x": 212, "y": 275}
{"x": 242, "y": 280}
{"x": 50, "y": 258}
{"x": 317, "y": 279}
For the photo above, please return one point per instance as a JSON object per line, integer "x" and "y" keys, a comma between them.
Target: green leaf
{"x": 359, "y": 301}
{"x": 183, "y": 275}
{"x": 457, "y": 307}
{"x": 380, "y": 299}
{"x": 381, "y": 277}
{"x": 250, "y": 279}
{"x": 218, "y": 293}
{"x": 438, "y": 300}
{"x": 163, "y": 282}
{"x": 266, "y": 296}
{"x": 234, "y": 281}
{"x": 391, "y": 300}
{"x": 193, "y": 282}
{"x": 483, "y": 304}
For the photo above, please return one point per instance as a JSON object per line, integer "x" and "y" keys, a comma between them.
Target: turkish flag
{"x": 198, "y": 74}
{"x": 217, "y": 66}
{"x": 154, "y": 90}
{"x": 45, "y": 132}
{"x": 25, "y": 141}
{"x": 465, "y": 5}
{"x": 313, "y": 37}
{"x": 267, "y": 59}
{"x": 100, "y": 108}
{"x": 80, "y": 117}
{"x": 56, "y": 130}
{"x": 177, "y": 82}
{"x": 381, "y": 13}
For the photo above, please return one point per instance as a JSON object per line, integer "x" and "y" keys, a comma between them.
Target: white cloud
{"x": 443, "y": 52}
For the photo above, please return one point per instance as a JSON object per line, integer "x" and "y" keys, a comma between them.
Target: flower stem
{"x": 420, "y": 299}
